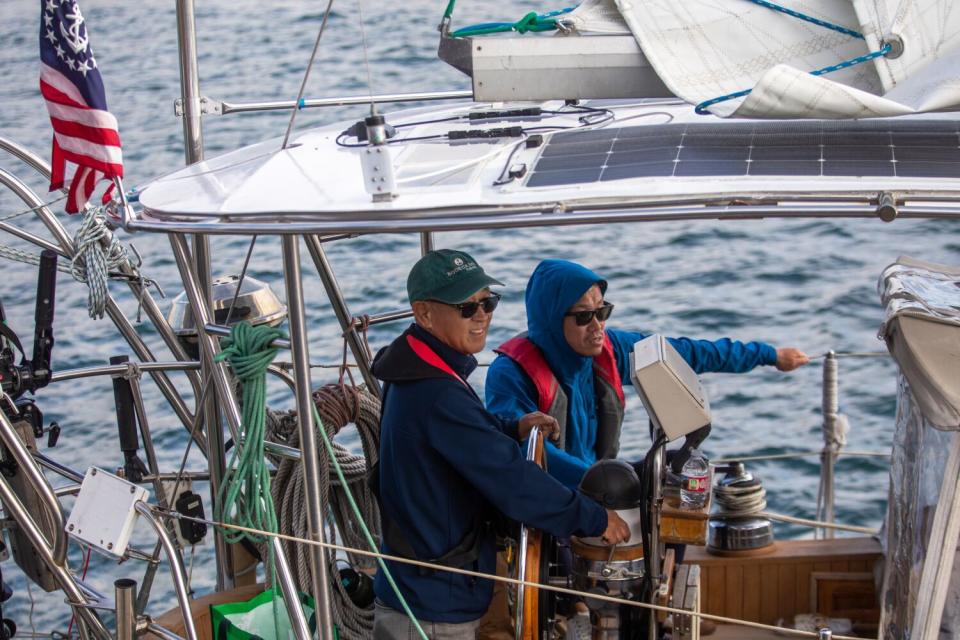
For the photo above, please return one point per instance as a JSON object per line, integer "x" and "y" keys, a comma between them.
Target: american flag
{"x": 84, "y": 132}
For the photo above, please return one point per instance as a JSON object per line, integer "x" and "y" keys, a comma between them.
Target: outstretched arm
{"x": 723, "y": 355}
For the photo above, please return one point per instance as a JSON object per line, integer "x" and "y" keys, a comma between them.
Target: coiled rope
{"x": 703, "y": 108}
{"x": 245, "y": 496}
{"x": 338, "y": 405}
{"x": 98, "y": 254}
{"x": 93, "y": 261}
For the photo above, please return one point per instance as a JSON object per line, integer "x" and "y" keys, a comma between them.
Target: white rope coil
{"x": 94, "y": 261}
{"x": 338, "y": 405}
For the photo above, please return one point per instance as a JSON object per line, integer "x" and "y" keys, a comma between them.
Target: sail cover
{"x": 704, "y": 49}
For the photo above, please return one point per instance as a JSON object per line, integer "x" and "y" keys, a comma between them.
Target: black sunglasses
{"x": 583, "y": 318}
{"x": 469, "y": 309}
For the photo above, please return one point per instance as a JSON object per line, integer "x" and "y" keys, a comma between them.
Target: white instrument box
{"x": 668, "y": 387}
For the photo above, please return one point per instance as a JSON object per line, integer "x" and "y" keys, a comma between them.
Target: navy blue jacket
{"x": 444, "y": 462}
{"x": 553, "y": 288}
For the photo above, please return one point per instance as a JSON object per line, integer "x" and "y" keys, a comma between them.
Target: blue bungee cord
{"x": 703, "y": 108}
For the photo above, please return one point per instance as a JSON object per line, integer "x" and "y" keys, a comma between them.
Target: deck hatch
{"x": 874, "y": 148}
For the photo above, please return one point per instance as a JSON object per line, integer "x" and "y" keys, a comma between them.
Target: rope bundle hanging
{"x": 94, "y": 261}
{"x": 244, "y": 497}
{"x": 337, "y": 405}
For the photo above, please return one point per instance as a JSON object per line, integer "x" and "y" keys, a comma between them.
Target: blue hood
{"x": 553, "y": 288}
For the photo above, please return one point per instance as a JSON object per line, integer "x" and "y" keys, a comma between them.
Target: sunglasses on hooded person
{"x": 583, "y": 318}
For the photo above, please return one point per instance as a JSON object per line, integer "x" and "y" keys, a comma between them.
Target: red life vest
{"x": 552, "y": 400}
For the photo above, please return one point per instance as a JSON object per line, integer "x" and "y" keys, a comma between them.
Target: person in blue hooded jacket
{"x": 446, "y": 463}
{"x": 570, "y": 366}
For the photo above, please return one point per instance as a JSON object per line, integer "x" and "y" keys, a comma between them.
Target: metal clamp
{"x": 207, "y": 107}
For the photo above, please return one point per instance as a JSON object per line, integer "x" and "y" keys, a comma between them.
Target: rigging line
{"x": 33, "y": 209}
{"x": 167, "y": 513}
{"x": 243, "y": 274}
{"x": 799, "y": 454}
{"x": 306, "y": 75}
{"x": 366, "y": 58}
{"x": 818, "y": 524}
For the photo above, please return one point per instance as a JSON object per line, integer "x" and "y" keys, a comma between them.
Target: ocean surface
{"x": 806, "y": 283}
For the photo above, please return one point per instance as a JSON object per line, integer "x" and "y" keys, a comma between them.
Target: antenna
{"x": 306, "y": 75}
{"x": 366, "y": 59}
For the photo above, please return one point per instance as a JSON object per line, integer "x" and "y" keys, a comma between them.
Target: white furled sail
{"x": 595, "y": 17}
{"x": 709, "y": 49}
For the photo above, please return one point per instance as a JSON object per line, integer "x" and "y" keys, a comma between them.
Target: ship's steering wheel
{"x": 532, "y": 607}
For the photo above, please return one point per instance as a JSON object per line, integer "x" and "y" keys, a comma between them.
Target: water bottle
{"x": 695, "y": 485}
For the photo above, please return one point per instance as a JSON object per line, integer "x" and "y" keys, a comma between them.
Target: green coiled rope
{"x": 244, "y": 497}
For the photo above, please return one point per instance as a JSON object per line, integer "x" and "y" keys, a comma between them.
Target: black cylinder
{"x": 126, "y": 417}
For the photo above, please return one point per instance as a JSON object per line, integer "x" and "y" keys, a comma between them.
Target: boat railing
{"x": 834, "y": 428}
{"x": 50, "y": 539}
{"x": 65, "y": 246}
{"x": 55, "y": 549}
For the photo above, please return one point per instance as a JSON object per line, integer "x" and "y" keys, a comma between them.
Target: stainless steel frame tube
{"x": 209, "y": 348}
{"x": 125, "y": 591}
{"x": 43, "y": 547}
{"x": 68, "y": 250}
{"x": 189, "y": 81}
{"x": 241, "y": 107}
{"x": 178, "y": 573}
{"x": 308, "y": 442}
{"x": 339, "y": 304}
{"x": 291, "y": 595}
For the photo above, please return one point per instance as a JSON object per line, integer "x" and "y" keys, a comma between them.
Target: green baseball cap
{"x": 448, "y": 276}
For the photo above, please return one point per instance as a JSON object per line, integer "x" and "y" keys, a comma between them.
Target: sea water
{"x": 806, "y": 283}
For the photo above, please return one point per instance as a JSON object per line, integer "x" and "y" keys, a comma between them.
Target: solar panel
{"x": 878, "y": 148}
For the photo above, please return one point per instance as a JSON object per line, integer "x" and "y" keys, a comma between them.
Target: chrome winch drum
{"x": 593, "y": 565}
{"x": 256, "y": 303}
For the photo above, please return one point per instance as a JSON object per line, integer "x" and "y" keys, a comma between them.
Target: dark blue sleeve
{"x": 466, "y": 435}
{"x": 720, "y": 356}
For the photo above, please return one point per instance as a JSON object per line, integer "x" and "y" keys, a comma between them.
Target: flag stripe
{"x": 86, "y": 117}
{"x": 91, "y": 134}
{"x": 80, "y": 159}
{"x": 98, "y": 152}
{"x": 62, "y": 84}
{"x": 52, "y": 94}
{"x": 80, "y": 189}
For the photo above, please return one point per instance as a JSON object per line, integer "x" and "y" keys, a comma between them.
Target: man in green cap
{"x": 447, "y": 465}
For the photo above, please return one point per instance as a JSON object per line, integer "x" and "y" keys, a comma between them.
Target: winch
{"x": 617, "y": 570}
{"x": 737, "y": 526}
{"x": 256, "y": 303}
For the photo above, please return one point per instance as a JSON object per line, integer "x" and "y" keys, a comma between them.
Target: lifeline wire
{"x": 703, "y": 108}
{"x": 33, "y": 209}
{"x": 249, "y": 352}
{"x": 513, "y": 581}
